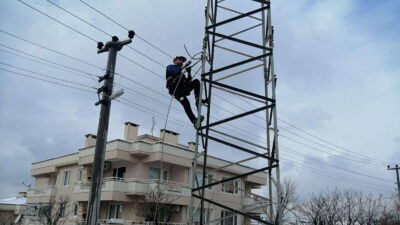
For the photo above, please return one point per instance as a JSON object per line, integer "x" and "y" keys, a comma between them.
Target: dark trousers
{"x": 184, "y": 91}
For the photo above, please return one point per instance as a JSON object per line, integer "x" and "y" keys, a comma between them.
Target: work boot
{"x": 195, "y": 121}
{"x": 203, "y": 102}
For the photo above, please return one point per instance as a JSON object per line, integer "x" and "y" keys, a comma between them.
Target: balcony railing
{"x": 49, "y": 191}
{"x": 134, "y": 186}
{"x": 121, "y": 221}
{"x": 254, "y": 203}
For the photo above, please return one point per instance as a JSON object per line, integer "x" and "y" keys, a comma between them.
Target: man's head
{"x": 179, "y": 60}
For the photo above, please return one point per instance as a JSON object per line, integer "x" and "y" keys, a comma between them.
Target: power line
{"x": 330, "y": 175}
{"x": 134, "y": 106}
{"x": 51, "y": 77}
{"x": 49, "y": 49}
{"x": 46, "y": 60}
{"x": 125, "y": 77}
{"x": 71, "y": 68}
{"x": 39, "y": 11}
{"x": 136, "y": 92}
{"x": 161, "y": 64}
{"x": 142, "y": 66}
{"x": 324, "y": 174}
{"x": 48, "y": 81}
{"x": 228, "y": 111}
{"x": 319, "y": 171}
{"x": 345, "y": 153}
{"x": 42, "y": 63}
{"x": 323, "y": 140}
{"x": 152, "y": 112}
{"x": 147, "y": 57}
{"x": 77, "y": 17}
{"x": 115, "y": 22}
{"x": 281, "y": 128}
{"x": 101, "y": 30}
{"x": 179, "y": 121}
{"x": 302, "y": 130}
{"x": 350, "y": 171}
{"x": 140, "y": 108}
{"x": 104, "y": 15}
{"x": 180, "y": 112}
{"x": 330, "y": 165}
{"x": 334, "y": 166}
{"x": 76, "y": 59}
{"x": 327, "y": 152}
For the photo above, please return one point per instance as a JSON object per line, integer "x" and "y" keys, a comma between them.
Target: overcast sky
{"x": 338, "y": 80}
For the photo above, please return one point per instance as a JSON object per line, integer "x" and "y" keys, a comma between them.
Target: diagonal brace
{"x": 239, "y": 40}
{"x": 239, "y": 90}
{"x": 235, "y": 177}
{"x": 238, "y": 17}
{"x": 235, "y": 117}
{"x": 237, "y": 64}
{"x": 242, "y": 148}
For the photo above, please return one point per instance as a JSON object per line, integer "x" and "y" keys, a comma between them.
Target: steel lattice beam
{"x": 208, "y": 83}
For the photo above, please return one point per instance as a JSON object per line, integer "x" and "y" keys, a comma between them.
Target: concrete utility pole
{"x": 112, "y": 47}
{"x": 397, "y": 168}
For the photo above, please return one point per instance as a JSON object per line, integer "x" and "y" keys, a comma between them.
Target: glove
{"x": 189, "y": 69}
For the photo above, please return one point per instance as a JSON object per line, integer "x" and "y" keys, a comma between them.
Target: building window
{"x": 79, "y": 176}
{"x": 231, "y": 187}
{"x": 199, "y": 176}
{"x": 119, "y": 172}
{"x": 228, "y": 218}
{"x": 75, "y": 208}
{"x": 155, "y": 174}
{"x": 114, "y": 211}
{"x": 206, "y": 216}
{"x": 66, "y": 177}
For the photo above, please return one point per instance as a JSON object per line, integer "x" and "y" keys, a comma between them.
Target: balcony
{"x": 46, "y": 194}
{"x": 254, "y": 204}
{"x": 121, "y": 221}
{"x": 113, "y": 187}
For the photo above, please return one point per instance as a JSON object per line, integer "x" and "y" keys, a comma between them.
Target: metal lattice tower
{"x": 255, "y": 57}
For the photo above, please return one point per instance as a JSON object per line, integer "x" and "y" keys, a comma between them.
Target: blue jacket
{"x": 173, "y": 71}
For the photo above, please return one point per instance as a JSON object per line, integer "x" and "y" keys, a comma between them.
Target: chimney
{"x": 131, "y": 131}
{"x": 191, "y": 145}
{"x": 21, "y": 195}
{"x": 90, "y": 140}
{"x": 170, "y": 136}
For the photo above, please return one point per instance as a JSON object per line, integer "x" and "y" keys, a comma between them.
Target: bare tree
{"x": 314, "y": 211}
{"x": 389, "y": 214}
{"x": 349, "y": 207}
{"x": 352, "y": 206}
{"x": 6, "y": 218}
{"x": 55, "y": 213}
{"x": 333, "y": 211}
{"x": 156, "y": 206}
{"x": 288, "y": 199}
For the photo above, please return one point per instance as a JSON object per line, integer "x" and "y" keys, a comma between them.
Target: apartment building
{"x": 132, "y": 166}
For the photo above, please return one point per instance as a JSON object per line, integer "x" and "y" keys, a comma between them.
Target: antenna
{"x": 153, "y": 124}
{"x": 27, "y": 185}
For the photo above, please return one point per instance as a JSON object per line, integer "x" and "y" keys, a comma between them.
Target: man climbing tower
{"x": 180, "y": 86}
